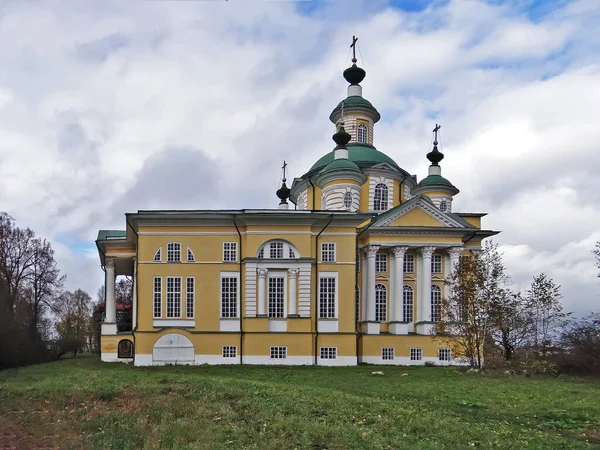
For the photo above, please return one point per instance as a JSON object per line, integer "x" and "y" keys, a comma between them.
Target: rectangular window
{"x": 436, "y": 263}
{"x": 416, "y": 354}
{"x": 387, "y": 353}
{"x": 229, "y": 251}
{"x": 276, "y": 297}
{"x": 328, "y": 252}
{"x": 278, "y": 352}
{"x": 173, "y": 297}
{"x": 189, "y": 297}
{"x": 444, "y": 354}
{"x": 327, "y": 297}
{"x": 173, "y": 252}
{"x": 409, "y": 263}
{"x": 276, "y": 250}
{"x": 380, "y": 262}
{"x": 157, "y": 297}
{"x": 328, "y": 352}
{"x": 229, "y": 351}
{"x": 229, "y": 294}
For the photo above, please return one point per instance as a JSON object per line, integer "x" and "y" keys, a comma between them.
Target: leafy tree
{"x": 513, "y": 325}
{"x": 74, "y": 310}
{"x": 544, "y": 302}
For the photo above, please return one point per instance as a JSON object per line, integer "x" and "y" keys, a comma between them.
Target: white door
{"x": 173, "y": 348}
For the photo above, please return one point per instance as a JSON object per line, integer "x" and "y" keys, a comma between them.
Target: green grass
{"x": 83, "y": 403}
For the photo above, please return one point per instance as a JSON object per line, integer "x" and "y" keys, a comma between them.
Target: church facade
{"x": 353, "y": 273}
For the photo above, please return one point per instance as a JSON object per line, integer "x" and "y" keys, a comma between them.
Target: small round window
{"x": 348, "y": 199}
{"x": 443, "y": 206}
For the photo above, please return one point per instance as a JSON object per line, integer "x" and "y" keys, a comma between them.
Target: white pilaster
{"x": 262, "y": 292}
{"x": 293, "y": 277}
{"x": 371, "y": 326}
{"x": 398, "y": 291}
{"x": 110, "y": 310}
{"x": 134, "y": 298}
{"x": 424, "y": 309}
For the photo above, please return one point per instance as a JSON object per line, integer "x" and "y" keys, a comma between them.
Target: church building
{"x": 349, "y": 269}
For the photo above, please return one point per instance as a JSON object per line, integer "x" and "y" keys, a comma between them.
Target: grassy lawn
{"x": 83, "y": 403}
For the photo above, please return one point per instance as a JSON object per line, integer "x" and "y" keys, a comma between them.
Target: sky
{"x": 117, "y": 106}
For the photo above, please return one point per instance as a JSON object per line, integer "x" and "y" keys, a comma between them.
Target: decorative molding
{"x": 425, "y": 206}
{"x": 426, "y": 252}
{"x": 110, "y": 262}
{"x": 173, "y": 323}
{"x": 262, "y": 273}
{"x": 293, "y": 273}
{"x": 371, "y": 250}
{"x": 400, "y": 251}
{"x": 454, "y": 252}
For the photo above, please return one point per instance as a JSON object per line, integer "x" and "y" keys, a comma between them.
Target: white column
{"x": 371, "y": 326}
{"x": 398, "y": 284}
{"x": 363, "y": 286}
{"x": 454, "y": 257}
{"x": 424, "y": 310}
{"x": 293, "y": 277}
{"x": 262, "y": 292}
{"x": 134, "y": 299}
{"x": 109, "y": 327}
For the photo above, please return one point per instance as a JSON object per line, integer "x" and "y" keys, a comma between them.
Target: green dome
{"x": 341, "y": 164}
{"x": 361, "y": 155}
{"x": 435, "y": 179}
{"x": 355, "y": 100}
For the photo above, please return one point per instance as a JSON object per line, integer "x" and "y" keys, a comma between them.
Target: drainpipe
{"x": 241, "y": 292}
{"x": 317, "y": 285}
{"x": 313, "y": 192}
{"x": 137, "y": 309}
{"x": 356, "y": 300}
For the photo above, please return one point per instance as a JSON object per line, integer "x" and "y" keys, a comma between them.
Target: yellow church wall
{"x": 364, "y": 198}
{"x": 116, "y": 251}
{"x": 109, "y": 344}
{"x": 317, "y": 196}
{"x": 255, "y": 324}
{"x": 475, "y": 221}
{"x": 204, "y": 343}
{"x": 345, "y": 343}
{"x": 341, "y": 181}
{"x": 410, "y": 239}
{"x": 436, "y": 193}
{"x": 300, "y": 324}
{"x": 416, "y": 218}
{"x": 371, "y": 345}
{"x": 256, "y": 344}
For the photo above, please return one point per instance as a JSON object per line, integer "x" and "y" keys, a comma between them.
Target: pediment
{"x": 417, "y": 212}
{"x": 384, "y": 166}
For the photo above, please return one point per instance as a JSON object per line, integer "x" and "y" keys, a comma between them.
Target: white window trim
{"x": 266, "y": 250}
{"x": 175, "y": 260}
{"x": 154, "y": 316}
{"x": 159, "y": 253}
{"x": 393, "y": 353}
{"x": 187, "y": 255}
{"x": 278, "y": 347}
{"x": 278, "y": 274}
{"x": 337, "y": 293}
{"x": 193, "y": 297}
{"x": 328, "y": 351}
{"x": 237, "y": 296}
{"x": 334, "y": 252}
{"x": 441, "y": 261}
{"x": 449, "y": 351}
{"x": 386, "y": 204}
{"x": 418, "y": 354}
{"x": 366, "y": 128}
{"x": 437, "y": 289}
{"x": 180, "y": 297}
{"x": 386, "y": 290}
{"x": 229, "y": 347}
{"x": 404, "y": 291}
{"x": 235, "y": 244}
{"x": 385, "y": 256}
{"x": 405, "y": 263}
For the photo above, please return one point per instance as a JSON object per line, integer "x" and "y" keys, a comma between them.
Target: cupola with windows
{"x": 436, "y": 187}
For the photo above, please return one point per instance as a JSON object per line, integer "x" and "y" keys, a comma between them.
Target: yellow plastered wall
{"x": 364, "y": 197}
{"x": 204, "y": 343}
{"x": 109, "y": 344}
{"x": 475, "y": 221}
{"x": 371, "y": 345}
{"x": 345, "y": 343}
{"x": 416, "y": 218}
{"x": 341, "y": 181}
{"x": 260, "y": 344}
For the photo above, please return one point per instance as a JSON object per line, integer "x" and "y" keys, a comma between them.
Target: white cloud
{"x": 95, "y": 97}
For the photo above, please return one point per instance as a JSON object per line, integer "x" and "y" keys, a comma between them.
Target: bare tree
{"x": 513, "y": 325}
{"x": 596, "y": 253}
{"x": 74, "y": 310}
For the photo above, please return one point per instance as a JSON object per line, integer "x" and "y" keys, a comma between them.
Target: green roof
{"x": 360, "y": 154}
{"x": 341, "y": 164}
{"x": 105, "y": 235}
{"x": 435, "y": 179}
{"x": 355, "y": 100}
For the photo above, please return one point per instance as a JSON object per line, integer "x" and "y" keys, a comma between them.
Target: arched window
{"x": 436, "y": 303}
{"x": 380, "y": 303}
{"x": 278, "y": 249}
{"x": 407, "y": 303}
{"x": 348, "y": 199}
{"x": 157, "y": 255}
{"x": 190, "y": 255}
{"x": 362, "y": 134}
{"x": 380, "y": 199}
{"x": 125, "y": 349}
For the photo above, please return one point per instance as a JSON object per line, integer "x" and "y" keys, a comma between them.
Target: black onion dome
{"x": 435, "y": 156}
{"x": 342, "y": 137}
{"x": 354, "y": 74}
{"x": 283, "y": 193}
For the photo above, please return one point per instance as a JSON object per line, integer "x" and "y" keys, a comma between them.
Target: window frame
{"x": 445, "y": 354}
{"x": 347, "y": 195}
{"x": 436, "y": 303}
{"x": 416, "y": 354}
{"x": 405, "y": 300}
{"x": 364, "y": 134}
{"x": 381, "y": 202}
{"x": 381, "y": 307}
{"x": 379, "y": 263}
{"x": 230, "y": 255}
{"x": 409, "y": 263}
{"x": 174, "y": 252}
{"x": 236, "y": 277}
{"x": 157, "y": 255}
{"x": 288, "y": 251}
{"x": 273, "y": 310}
{"x": 328, "y": 352}
{"x": 156, "y": 293}
{"x": 130, "y": 354}
{"x": 187, "y": 297}
{"x": 436, "y": 264}
{"x": 324, "y": 311}
{"x": 331, "y": 252}
{"x": 190, "y": 253}
{"x": 176, "y": 301}
{"x": 387, "y": 353}
{"x": 278, "y": 352}
{"x": 229, "y": 351}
